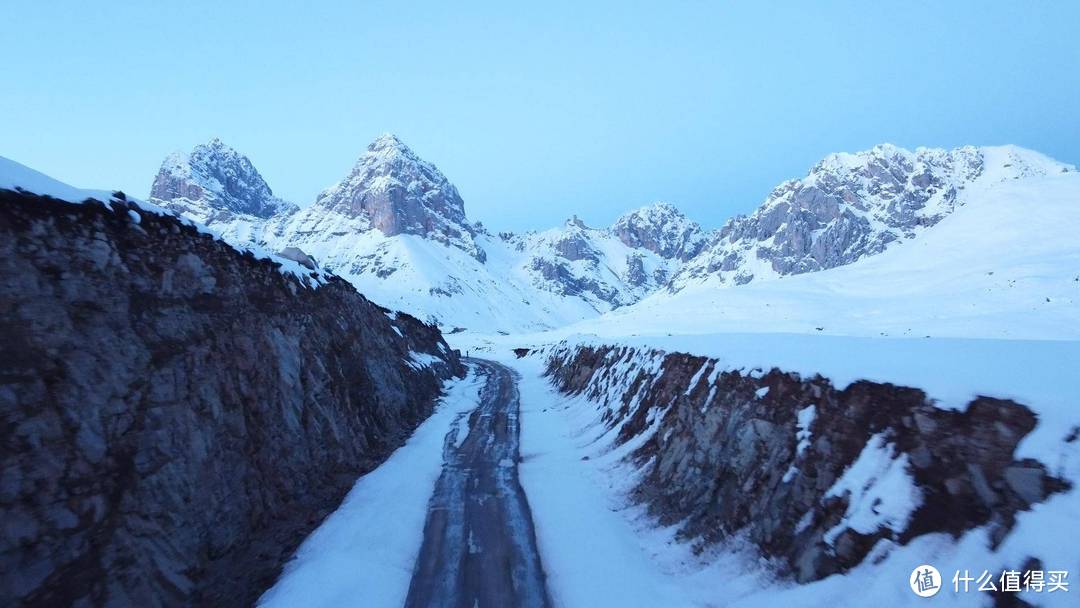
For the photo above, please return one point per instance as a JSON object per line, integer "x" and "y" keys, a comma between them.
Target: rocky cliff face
{"x": 215, "y": 185}
{"x": 816, "y": 477}
{"x": 850, "y": 206}
{"x": 397, "y": 192}
{"x": 614, "y": 266}
{"x": 178, "y": 415}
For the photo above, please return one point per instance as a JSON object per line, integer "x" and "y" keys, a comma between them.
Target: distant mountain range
{"x": 396, "y": 227}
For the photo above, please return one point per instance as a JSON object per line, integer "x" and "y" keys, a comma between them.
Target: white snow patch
{"x": 419, "y": 360}
{"x": 880, "y": 491}
{"x": 805, "y": 418}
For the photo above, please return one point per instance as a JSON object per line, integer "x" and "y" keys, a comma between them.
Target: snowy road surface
{"x": 479, "y": 546}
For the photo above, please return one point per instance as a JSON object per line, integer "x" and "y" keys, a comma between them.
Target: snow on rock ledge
{"x": 15, "y": 177}
{"x": 869, "y": 468}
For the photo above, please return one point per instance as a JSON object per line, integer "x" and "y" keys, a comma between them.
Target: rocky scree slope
{"x": 817, "y": 478}
{"x": 178, "y": 415}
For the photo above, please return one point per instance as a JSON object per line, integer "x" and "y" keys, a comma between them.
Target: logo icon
{"x": 925, "y": 581}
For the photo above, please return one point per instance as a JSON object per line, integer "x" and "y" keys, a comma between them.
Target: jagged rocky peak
{"x": 400, "y": 193}
{"x": 211, "y": 179}
{"x": 897, "y": 187}
{"x": 662, "y": 229}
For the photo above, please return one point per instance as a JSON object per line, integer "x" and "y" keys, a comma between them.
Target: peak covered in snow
{"x": 213, "y": 183}
{"x": 662, "y": 229}
{"x": 397, "y": 192}
{"x": 396, "y": 227}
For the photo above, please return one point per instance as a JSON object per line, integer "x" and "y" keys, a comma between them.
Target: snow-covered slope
{"x": 852, "y": 206}
{"x": 396, "y": 227}
{"x": 14, "y": 176}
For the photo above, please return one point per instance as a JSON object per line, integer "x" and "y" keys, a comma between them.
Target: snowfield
{"x": 1005, "y": 265}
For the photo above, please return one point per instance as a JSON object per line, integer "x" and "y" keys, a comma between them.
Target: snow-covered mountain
{"x": 396, "y": 227}
{"x": 394, "y": 191}
{"x": 850, "y": 206}
{"x": 1005, "y": 264}
{"x": 219, "y": 187}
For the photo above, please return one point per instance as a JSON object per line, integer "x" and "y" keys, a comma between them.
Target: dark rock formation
{"x": 737, "y": 453}
{"x": 177, "y": 415}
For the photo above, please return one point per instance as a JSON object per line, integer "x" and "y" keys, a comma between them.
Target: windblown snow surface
{"x": 985, "y": 303}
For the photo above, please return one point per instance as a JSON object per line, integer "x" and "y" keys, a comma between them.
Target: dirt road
{"x": 479, "y": 548}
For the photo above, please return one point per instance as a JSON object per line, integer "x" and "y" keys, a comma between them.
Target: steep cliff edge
{"x": 818, "y": 478}
{"x": 178, "y": 414}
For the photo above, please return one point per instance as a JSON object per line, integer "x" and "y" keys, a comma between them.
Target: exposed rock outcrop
{"x": 178, "y": 415}
{"x": 812, "y": 475}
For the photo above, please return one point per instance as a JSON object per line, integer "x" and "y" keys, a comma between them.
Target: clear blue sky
{"x": 534, "y": 110}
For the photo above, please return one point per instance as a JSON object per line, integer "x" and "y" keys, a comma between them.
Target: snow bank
{"x": 578, "y": 487}
{"x": 364, "y": 553}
